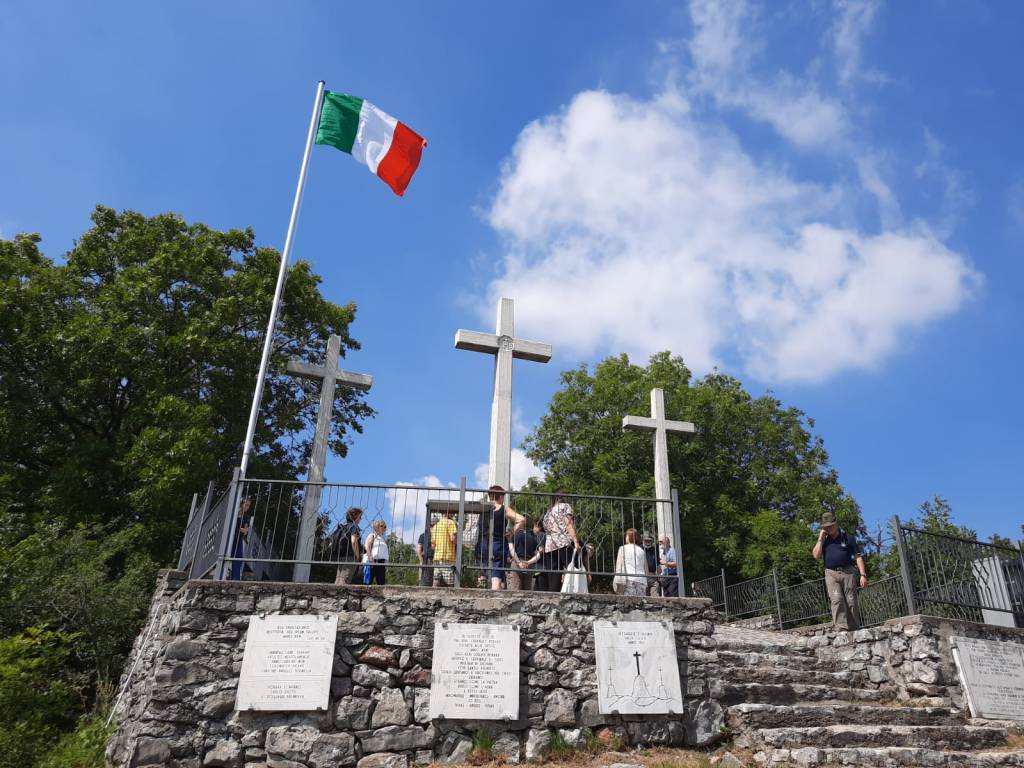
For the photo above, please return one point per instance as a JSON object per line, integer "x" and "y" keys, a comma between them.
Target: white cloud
{"x": 722, "y": 51}
{"x": 405, "y": 509}
{"x": 522, "y": 470}
{"x": 853, "y": 21}
{"x": 640, "y": 225}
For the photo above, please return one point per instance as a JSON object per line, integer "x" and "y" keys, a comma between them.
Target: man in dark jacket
{"x": 843, "y": 562}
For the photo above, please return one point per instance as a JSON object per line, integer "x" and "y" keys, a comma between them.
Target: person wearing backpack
{"x": 347, "y": 549}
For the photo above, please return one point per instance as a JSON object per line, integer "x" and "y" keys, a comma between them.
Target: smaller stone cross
{"x": 330, "y": 377}
{"x": 660, "y": 426}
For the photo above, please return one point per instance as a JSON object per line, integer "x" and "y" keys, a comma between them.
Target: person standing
{"x": 424, "y": 554}
{"x": 844, "y": 562}
{"x": 377, "y": 550}
{"x": 496, "y": 550}
{"x": 521, "y": 547}
{"x": 560, "y": 540}
{"x": 540, "y": 579}
{"x": 668, "y": 568}
{"x": 347, "y": 548}
{"x": 442, "y": 542}
{"x": 651, "y": 553}
{"x": 241, "y": 539}
{"x": 630, "y": 568}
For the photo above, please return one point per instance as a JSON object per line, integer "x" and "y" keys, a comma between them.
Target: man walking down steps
{"x": 843, "y": 563}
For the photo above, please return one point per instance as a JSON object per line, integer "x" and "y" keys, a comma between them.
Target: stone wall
{"x": 178, "y": 708}
{"x": 911, "y": 654}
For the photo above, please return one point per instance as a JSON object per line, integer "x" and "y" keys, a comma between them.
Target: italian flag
{"x": 390, "y": 149}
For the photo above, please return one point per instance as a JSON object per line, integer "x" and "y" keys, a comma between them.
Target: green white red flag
{"x": 389, "y": 148}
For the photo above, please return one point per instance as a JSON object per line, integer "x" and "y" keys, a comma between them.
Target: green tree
{"x": 126, "y": 371}
{"x": 753, "y": 481}
{"x": 126, "y": 374}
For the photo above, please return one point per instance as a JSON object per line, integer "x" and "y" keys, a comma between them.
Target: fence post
{"x": 901, "y": 548}
{"x": 778, "y": 603}
{"x": 227, "y": 532}
{"x": 676, "y": 534}
{"x": 725, "y": 596}
{"x": 462, "y": 531}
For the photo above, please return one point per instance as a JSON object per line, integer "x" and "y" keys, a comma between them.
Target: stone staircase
{"x": 792, "y": 709}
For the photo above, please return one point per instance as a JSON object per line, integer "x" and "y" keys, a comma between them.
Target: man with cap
{"x": 843, "y": 563}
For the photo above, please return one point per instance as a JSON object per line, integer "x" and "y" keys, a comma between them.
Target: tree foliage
{"x": 126, "y": 374}
{"x": 753, "y": 481}
{"x": 126, "y": 371}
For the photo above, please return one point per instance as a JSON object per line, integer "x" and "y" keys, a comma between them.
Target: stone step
{"x": 746, "y": 716}
{"x": 957, "y": 737}
{"x": 747, "y": 659}
{"x": 888, "y": 757}
{"x": 781, "y": 675}
{"x": 739, "y": 643}
{"x": 790, "y": 693}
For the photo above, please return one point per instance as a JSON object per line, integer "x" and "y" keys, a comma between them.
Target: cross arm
{"x": 306, "y": 370}
{"x": 361, "y": 381}
{"x": 475, "y": 341}
{"x": 531, "y": 350}
{"x": 639, "y": 424}
{"x": 679, "y": 426}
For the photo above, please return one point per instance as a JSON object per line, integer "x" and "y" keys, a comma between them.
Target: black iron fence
{"x": 288, "y": 530}
{"x": 291, "y": 530}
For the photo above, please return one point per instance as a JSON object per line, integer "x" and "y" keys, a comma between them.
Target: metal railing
{"x": 960, "y": 578}
{"x": 294, "y": 530}
{"x": 940, "y": 575}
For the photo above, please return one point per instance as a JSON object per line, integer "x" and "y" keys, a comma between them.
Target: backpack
{"x": 342, "y": 540}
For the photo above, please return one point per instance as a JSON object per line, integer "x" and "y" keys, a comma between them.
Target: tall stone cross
{"x": 660, "y": 426}
{"x": 504, "y": 347}
{"x": 330, "y": 377}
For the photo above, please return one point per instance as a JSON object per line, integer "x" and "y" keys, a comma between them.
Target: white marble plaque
{"x": 287, "y": 663}
{"x": 637, "y": 668}
{"x": 992, "y": 675}
{"x": 475, "y": 675}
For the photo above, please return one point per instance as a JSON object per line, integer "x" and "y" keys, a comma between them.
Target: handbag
{"x": 574, "y": 581}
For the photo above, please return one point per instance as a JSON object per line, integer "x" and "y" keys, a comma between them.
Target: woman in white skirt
{"x": 631, "y": 567}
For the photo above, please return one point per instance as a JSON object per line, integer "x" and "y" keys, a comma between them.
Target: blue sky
{"x": 823, "y": 199}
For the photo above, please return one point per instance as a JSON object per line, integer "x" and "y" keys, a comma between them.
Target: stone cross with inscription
{"x": 660, "y": 426}
{"x": 330, "y": 377}
{"x": 504, "y": 347}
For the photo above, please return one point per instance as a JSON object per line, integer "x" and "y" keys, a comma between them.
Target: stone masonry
{"x": 829, "y": 698}
{"x": 178, "y": 708}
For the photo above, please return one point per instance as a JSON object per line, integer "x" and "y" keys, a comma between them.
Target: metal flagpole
{"x": 279, "y": 291}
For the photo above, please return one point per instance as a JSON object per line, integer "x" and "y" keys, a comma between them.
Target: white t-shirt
{"x": 378, "y": 548}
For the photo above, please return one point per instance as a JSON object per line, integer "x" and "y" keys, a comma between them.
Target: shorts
{"x": 444, "y": 575}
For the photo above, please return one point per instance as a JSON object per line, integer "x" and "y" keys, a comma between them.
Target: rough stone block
{"x": 507, "y": 748}
{"x": 384, "y": 760}
{"x": 537, "y": 741}
{"x": 379, "y": 657}
{"x": 225, "y": 754}
{"x": 705, "y": 722}
{"x": 391, "y": 709}
{"x": 560, "y": 708}
{"x": 370, "y": 677}
{"x": 398, "y": 738}
{"x": 353, "y": 713}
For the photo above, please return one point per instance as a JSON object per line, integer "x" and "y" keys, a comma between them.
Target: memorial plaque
{"x": 992, "y": 676}
{"x": 475, "y": 675}
{"x": 287, "y": 663}
{"x": 637, "y": 668}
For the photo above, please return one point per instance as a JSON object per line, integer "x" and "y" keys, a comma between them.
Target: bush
{"x": 35, "y": 705}
{"x": 82, "y": 748}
